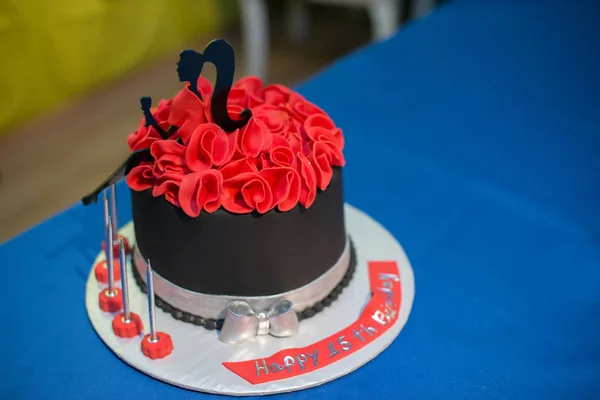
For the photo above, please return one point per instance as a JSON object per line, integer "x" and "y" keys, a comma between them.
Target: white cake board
{"x": 196, "y": 361}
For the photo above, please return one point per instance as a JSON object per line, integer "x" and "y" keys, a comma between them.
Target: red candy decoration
{"x": 168, "y": 186}
{"x": 145, "y": 135}
{"x": 276, "y": 94}
{"x": 170, "y": 159}
{"x": 127, "y": 329}
{"x": 275, "y": 118}
{"x": 101, "y": 271}
{"x": 207, "y": 146}
{"x": 308, "y": 190}
{"x": 255, "y": 138}
{"x": 201, "y": 190}
{"x": 141, "y": 177}
{"x": 188, "y": 111}
{"x": 116, "y": 245}
{"x": 246, "y": 192}
{"x": 109, "y": 303}
{"x": 158, "y": 349}
{"x": 285, "y": 186}
{"x": 247, "y": 92}
{"x": 320, "y": 127}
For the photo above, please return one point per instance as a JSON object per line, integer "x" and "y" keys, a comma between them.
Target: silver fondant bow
{"x": 242, "y": 322}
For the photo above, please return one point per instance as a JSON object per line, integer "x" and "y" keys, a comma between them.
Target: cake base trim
{"x": 214, "y": 306}
{"x": 216, "y": 323}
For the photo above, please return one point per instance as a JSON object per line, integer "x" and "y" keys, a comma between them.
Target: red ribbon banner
{"x": 378, "y": 316}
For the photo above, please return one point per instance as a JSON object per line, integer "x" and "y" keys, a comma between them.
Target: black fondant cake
{"x": 241, "y": 255}
{"x": 228, "y": 209}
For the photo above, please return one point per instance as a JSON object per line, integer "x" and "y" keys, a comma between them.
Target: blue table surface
{"x": 473, "y": 135}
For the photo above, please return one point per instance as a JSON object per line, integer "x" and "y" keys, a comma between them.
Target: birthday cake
{"x": 240, "y": 234}
{"x": 237, "y": 197}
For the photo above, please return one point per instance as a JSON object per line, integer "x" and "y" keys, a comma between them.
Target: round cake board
{"x": 196, "y": 362}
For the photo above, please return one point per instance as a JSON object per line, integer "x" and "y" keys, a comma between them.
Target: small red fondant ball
{"x": 101, "y": 271}
{"x": 158, "y": 349}
{"x": 110, "y": 303}
{"x": 127, "y": 329}
{"x": 116, "y": 245}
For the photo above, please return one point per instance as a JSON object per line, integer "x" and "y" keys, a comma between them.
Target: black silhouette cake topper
{"x": 146, "y": 103}
{"x": 221, "y": 55}
{"x": 189, "y": 68}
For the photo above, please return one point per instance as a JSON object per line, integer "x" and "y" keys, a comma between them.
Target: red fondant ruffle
{"x": 280, "y": 159}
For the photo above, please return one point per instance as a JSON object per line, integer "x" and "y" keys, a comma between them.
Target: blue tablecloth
{"x": 474, "y": 137}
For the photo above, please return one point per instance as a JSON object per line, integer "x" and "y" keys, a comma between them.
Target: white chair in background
{"x": 384, "y": 15}
{"x": 421, "y": 7}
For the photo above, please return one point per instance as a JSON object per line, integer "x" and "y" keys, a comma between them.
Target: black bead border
{"x": 211, "y": 323}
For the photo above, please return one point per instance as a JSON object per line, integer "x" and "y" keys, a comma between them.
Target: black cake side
{"x": 242, "y": 254}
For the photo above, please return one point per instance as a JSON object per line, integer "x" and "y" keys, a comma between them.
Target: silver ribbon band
{"x": 215, "y": 306}
{"x": 242, "y": 322}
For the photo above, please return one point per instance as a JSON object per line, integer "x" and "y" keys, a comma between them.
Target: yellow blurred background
{"x": 72, "y": 73}
{"x": 56, "y": 50}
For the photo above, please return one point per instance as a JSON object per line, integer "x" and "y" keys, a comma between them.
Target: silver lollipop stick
{"x": 124, "y": 282}
{"x": 151, "y": 311}
{"x": 110, "y": 260}
{"x": 113, "y": 211}
{"x": 105, "y": 204}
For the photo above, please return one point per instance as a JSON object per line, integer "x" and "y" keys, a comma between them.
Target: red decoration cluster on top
{"x": 278, "y": 160}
